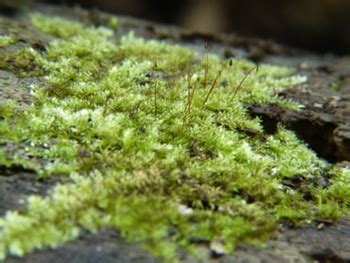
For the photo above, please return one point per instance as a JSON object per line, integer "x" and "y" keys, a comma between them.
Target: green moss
{"x": 113, "y": 23}
{"x": 336, "y": 85}
{"x": 6, "y": 41}
{"x": 153, "y": 138}
{"x": 62, "y": 28}
{"x": 6, "y": 109}
{"x": 23, "y": 62}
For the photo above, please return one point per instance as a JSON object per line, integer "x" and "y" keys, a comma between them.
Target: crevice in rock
{"x": 326, "y": 256}
{"x": 317, "y": 134}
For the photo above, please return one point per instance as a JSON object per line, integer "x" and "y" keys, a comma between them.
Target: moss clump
{"x": 113, "y": 23}
{"x": 336, "y": 85}
{"x": 6, "y": 41}
{"x": 152, "y": 138}
{"x": 23, "y": 62}
{"x": 66, "y": 28}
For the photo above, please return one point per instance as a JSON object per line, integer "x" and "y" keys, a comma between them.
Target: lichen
{"x": 158, "y": 144}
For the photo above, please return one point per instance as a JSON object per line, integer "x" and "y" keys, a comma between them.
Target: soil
{"x": 324, "y": 124}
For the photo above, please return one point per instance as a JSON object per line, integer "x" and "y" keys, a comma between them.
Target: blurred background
{"x": 318, "y": 25}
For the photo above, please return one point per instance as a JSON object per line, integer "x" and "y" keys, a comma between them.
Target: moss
{"x": 6, "y": 41}
{"x": 23, "y": 62}
{"x": 62, "y": 28}
{"x": 6, "y": 109}
{"x": 336, "y": 85}
{"x": 113, "y": 23}
{"x": 152, "y": 137}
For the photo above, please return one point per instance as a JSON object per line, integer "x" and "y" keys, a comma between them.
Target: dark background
{"x": 318, "y": 25}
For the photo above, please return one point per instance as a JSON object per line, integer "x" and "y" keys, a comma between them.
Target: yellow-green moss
{"x": 128, "y": 121}
{"x": 23, "y": 62}
{"x": 336, "y": 85}
{"x": 113, "y": 22}
{"x": 6, "y": 41}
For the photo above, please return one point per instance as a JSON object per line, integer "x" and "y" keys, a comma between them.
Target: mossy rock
{"x": 154, "y": 140}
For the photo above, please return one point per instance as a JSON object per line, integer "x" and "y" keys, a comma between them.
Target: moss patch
{"x": 336, "y": 85}
{"x": 6, "y": 40}
{"x": 153, "y": 138}
{"x": 22, "y": 62}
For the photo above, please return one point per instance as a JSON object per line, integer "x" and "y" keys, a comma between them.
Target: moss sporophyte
{"x": 151, "y": 138}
